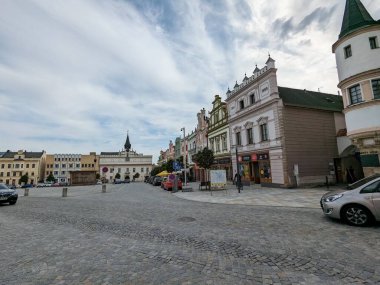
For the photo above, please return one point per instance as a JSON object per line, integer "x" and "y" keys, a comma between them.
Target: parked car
{"x": 99, "y": 182}
{"x": 164, "y": 179}
{"x": 168, "y": 185}
{"x": 56, "y": 184}
{"x": 11, "y": 186}
{"x": 7, "y": 195}
{"x": 157, "y": 181}
{"x": 359, "y": 205}
{"x": 27, "y": 186}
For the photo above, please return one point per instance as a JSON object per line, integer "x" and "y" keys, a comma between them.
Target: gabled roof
{"x": 310, "y": 99}
{"x": 355, "y": 16}
{"x": 11, "y": 154}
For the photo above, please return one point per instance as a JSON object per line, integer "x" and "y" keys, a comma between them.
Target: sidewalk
{"x": 258, "y": 196}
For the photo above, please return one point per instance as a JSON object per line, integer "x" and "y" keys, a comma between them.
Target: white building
{"x": 357, "y": 53}
{"x": 127, "y": 163}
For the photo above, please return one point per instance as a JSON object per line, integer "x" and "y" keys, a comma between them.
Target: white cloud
{"x": 76, "y": 75}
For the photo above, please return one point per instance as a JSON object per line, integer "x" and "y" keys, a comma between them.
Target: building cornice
{"x": 354, "y": 34}
{"x": 264, "y": 72}
{"x": 358, "y": 77}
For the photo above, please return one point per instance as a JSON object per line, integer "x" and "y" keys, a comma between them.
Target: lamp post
{"x": 185, "y": 154}
{"x": 238, "y": 177}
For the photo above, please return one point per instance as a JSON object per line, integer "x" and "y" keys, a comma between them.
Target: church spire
{"x": 127, "y": 144}
{"x": 355, "y": 16}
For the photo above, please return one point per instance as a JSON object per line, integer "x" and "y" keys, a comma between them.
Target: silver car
{"x": 358, "y": 206}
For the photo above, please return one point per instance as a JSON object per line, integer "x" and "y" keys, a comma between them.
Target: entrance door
{"x": 256, "y": 172}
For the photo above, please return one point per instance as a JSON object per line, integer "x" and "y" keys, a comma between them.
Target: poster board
{"x": 218, "y": 179}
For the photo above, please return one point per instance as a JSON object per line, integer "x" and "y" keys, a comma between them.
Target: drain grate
{"x": 186, "y": 219}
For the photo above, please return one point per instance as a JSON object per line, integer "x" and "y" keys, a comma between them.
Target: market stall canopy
{"x": 163, "y": 173}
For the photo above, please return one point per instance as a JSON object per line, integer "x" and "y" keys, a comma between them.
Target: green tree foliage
{"x": 169, "y": 166}
{"x": 155, "y": 171}
{"x": 117, "y": 176}
{"x": 24, "y": 179}
{"x": 137, "y": 175}
{"x": 204, "y": 158}
{"x": 50, "y": 178}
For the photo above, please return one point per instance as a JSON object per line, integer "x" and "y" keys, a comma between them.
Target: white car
{"x": 358, "y": 206}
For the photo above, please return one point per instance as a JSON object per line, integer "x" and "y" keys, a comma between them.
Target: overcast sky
{"x": 75, "y": 75}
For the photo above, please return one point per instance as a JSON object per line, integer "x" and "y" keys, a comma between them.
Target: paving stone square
{"x": 140, "y": 234}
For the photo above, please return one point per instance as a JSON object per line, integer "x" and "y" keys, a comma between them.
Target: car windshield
{"x": 2, "y": 186}
{"x": 363, "y": 181}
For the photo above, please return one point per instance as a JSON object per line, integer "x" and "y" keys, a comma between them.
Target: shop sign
{"x": 263, "y": 156}
{"x": 246, "y": 158}
{"x": 254, "y": 157}
{"x": 239, "y": 159}
{"x": 224, "y": 160}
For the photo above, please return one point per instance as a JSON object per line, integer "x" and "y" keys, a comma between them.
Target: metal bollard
{"x": 64, "y": 192}
{"x": 104, "y": 190}
{"x": 26, "y": 192}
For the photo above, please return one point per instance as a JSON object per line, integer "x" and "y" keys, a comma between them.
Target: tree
{"x": 24, "y": 179}
{"x": 117, "y": 176}
{"x": 50, "y": 178}
{"x": 204, "y": 158}
{"x": 155, "y": 171}
{"x": 137, "y": 175}
{"x": 169, "y": 166}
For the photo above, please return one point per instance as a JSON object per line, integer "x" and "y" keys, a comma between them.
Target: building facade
{"x": 219, "y": 136}
{"x": 127, "y": 163}
{"x": 279, "y": 136}
{"x": 13, "y": 165}
{"x": 61, "y": 165}
{"x": 357, "y": 53}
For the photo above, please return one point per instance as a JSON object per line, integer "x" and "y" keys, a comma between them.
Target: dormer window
{"x": 241, "y": 104}
{"x": 347, "y": 51}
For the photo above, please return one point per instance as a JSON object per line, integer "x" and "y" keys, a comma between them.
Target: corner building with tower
{"x": 357, "y": 53}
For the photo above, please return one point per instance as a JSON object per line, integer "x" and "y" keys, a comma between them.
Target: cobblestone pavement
{"x": 140, "y": 234}
{"x": 258, "y": 196}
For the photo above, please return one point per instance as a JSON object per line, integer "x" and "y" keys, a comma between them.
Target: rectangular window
{"x": 212, "y": 144}
{"x": 27, "y": 165}
{"x": 347, "y": 51}
{"x": 8, "y": 174}
{"x": 355, "y": 94}
{"x": 134, "y": 170}
{"x": 9, "y": 165}
{"x": 55, "y": 172}
{"x": 78, "y": 165}
{"x": 63, "y": 172}
{"x": 373, "y": 42}
{"x": 119, "y": 170}
{"x": 1, "y": 174}
{"x": 33, "y": 165}
{"x": 264, "y": 132}
{"x": 63, "y": 165}
{"x": 217, "y": 143}
{"x": 252, "y": 99}
{"x": 241, "y": 104}
{"x": 238, "y": 138}
{"x": 224, "y": 142}
{"x": 250, "y": 136}
{"x": 3, "y": 165}
{"x": 142, "y": 169}
{"x": 17, "y": 165}
{"x": 111, "y": 170}
{"x": 376, "y": 88}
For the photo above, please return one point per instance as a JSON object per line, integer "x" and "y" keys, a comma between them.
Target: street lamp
{"x": 185, "y": 154}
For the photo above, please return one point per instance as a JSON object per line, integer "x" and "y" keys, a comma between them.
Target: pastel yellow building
{"x": 13, "y": 165}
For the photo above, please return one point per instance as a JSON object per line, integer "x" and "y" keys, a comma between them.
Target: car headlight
{"x": 333, "y": 197}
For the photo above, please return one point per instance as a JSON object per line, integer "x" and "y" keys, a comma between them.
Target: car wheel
{"x": 12, "y": 202}
{"x": 357, "y": 215}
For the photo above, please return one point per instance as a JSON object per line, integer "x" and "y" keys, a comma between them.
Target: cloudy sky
{"x": 76, "y": 75}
